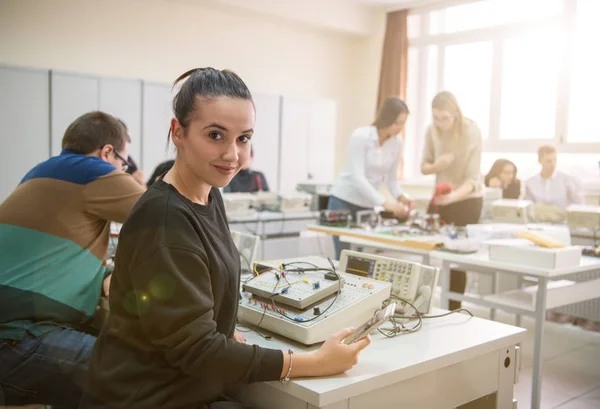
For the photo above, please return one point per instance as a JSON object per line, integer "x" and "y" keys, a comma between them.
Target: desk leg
{"x": 426, "y": 260}
{"x": 495, "y": 285}
{"x": 444, "y": 284}
{"x": 540, "y": 318}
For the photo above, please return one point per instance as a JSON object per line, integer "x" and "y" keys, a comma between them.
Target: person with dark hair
{"x": 373, "y": 157}
{"x": 452, "y": 153}
{"x": 503, "y": 174}
{"x": 54, "y": 232}
{"x": 247, "y": 180}
{"x": 551, "y": 186}
{"x": 160, "y": 171}
{"x": 170, "y": 340}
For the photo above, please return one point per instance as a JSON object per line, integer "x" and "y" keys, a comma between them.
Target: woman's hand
{"x": 398, "y": 209}
{"x": 495, "y": 182}
{"x": 409, "y": 204}
{"x": 444, "y": 200}
{"x": 239, "y": 337}
{"x": 444, "y": 161}
{"x": 334, "y": 357}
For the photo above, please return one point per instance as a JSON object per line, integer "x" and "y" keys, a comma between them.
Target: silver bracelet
{"x": 286, "y": 379}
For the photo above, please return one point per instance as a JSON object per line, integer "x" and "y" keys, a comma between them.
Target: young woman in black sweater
{"x": 170, "y": 340}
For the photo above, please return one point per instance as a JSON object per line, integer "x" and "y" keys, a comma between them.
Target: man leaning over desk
{"x": 54, "y": 230}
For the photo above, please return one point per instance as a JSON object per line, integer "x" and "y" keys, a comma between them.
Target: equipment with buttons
{"x": 289, "y": 302}
{"x": 410, "y": 281}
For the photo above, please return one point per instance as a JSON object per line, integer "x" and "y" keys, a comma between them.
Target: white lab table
{"x": 279, "y": 232}
{"x": 553, "y": 290}
{"x": 453, "y": 360}
{"x": 356, "y": 243}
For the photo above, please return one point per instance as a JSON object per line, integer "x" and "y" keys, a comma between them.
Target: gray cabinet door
{"x": 266, "y": 137}
{"x": 72, "y": 95}
{"x": 24, "y": 124}
{"x": 123, "y": 99}
{"x": 156, "y": 114}
{"x": 295, "y": 129}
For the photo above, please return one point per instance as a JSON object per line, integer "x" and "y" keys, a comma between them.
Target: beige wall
{"x": 159, "y": 39}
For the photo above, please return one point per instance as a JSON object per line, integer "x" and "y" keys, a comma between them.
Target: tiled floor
{"x": 571, "y": 368}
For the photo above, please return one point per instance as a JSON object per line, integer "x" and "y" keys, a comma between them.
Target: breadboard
{"x": 358, "y": 300}
{"x": 298, "y": 290}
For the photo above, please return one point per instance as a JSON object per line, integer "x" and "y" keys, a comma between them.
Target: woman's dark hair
{"x": 497, "y": 168}
{"x": 160, "y": 170}
{"x": 389, "y": 111}
{"x": 205, "y": 83}
{"x": 92, "y": 131}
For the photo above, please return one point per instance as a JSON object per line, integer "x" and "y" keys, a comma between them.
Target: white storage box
{"x": 524, "y": 252}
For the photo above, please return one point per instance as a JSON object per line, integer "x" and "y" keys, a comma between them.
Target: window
{"x": 468, "y": 75}
{"x": 490, "y": 13}
{"x": 529, "y": 85}
{"x": 525, "y": 70}
{"x": 583, "y": 126}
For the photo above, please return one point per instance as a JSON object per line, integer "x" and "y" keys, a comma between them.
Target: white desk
{"x": 280, "y": 232}
{"x": 533, "y": 301}
{"x": 365, "y": 243}
{"x": 452, "y": 361}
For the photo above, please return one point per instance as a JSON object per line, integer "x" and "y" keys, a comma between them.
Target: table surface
{"x": 271, "y": 216}
{"x": 441, "y": 342}
{"x": 482, "y": 259}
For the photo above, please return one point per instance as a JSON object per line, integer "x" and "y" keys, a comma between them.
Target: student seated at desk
{"x": 54, "y": 231}
{"x": 170, "y": 340}
{"x": 247, "y": 180}
{"x": 503, "y": 174}
{"x": 551, "y": 186}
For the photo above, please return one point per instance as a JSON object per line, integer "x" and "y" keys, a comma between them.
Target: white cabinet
{"x": 24, "y": 124}
{"x": 156, "y": 120}
{"x": 308, "y": 129}
{"x": 123, "y": 99}
{"x": 266, "y": 137}
{"x": 71, "y": 96}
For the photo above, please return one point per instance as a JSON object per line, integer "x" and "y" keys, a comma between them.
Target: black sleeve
{"x": 180, "y": 321}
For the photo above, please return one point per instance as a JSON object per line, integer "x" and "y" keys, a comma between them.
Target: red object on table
{"x": 440, "y": 190}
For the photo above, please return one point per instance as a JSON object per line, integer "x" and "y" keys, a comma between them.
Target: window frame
{"x": 497, "y": 35}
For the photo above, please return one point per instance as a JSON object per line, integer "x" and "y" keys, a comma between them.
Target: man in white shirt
{"x": 551, "y": 186}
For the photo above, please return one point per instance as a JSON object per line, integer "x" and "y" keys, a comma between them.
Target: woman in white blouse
{"x": 373, "y": 157}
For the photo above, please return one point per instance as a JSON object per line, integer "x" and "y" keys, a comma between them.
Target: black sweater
{"x": 247, "y": 181}
{"x": 173, "y": 306}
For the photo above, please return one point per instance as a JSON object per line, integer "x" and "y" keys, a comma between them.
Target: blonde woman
{"x": 453, "y": 153}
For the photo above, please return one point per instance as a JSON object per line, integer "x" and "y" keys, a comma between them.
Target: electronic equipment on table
{"x": 512, "y": 211}
{"x": 583, "y": 217}
{"x": 331, "y": 299}
{"x": 306, "y": 300}
{"x": 335, "y": 218}
{"x": 410, "y": 281}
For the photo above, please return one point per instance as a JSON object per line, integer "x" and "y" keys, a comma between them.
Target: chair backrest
{"x": 247, "y": 245}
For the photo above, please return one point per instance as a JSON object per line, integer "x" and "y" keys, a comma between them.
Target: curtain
{"x": 394, "y": 63}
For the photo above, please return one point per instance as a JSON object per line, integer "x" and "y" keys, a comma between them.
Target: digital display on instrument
{"x": 360, "y": 266}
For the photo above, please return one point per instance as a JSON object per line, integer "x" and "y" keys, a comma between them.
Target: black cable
{"x": 328, "y": 307}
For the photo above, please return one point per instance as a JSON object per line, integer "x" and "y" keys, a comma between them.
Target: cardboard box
{"x": 524, "y": 252}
